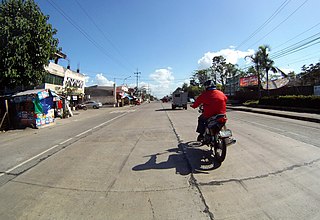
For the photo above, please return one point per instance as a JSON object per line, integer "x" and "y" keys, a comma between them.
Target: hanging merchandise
{"x": 37, "y": 106}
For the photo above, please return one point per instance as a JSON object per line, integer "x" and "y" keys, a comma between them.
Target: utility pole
{"x": 115, "y": 93}
{"x": 137, "y": 73}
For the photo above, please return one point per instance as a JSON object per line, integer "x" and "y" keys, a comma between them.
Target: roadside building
{"x": 64, "y": 82}
{"x": 103, "y": 94}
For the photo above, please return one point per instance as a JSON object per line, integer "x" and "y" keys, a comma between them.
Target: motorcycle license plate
{"x": 225, "y": 133}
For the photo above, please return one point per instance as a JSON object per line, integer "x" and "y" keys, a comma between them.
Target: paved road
{"x": 140, "y": 163}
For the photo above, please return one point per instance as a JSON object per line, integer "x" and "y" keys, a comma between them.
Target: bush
{"x": 292, "y": 101}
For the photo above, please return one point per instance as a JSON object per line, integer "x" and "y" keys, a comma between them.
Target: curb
{"x": 280, "y": 114}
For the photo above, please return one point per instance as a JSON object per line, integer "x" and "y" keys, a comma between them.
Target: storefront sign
{"x": 43, "y": 94}
{"x": 249, "y": 81}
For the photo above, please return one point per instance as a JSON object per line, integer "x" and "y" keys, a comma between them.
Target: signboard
{"x": 249, "y": 81}
{"x": 316, "y": 90}
{"x": 43, "y": 94}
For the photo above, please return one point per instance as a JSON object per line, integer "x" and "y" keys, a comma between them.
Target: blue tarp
{"x": 125, "y": 95}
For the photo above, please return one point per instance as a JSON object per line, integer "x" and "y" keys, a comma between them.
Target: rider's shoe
{"x": 200, "y": 137}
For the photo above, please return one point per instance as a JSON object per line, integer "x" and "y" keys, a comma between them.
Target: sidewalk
{"x": 312, "y": 117}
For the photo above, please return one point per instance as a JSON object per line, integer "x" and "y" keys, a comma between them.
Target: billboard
{"x": 249, "y": 81}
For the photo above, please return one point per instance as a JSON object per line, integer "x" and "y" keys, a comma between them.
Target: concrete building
{"x": 103, "y": 94}
{"x": 64, "y": 82}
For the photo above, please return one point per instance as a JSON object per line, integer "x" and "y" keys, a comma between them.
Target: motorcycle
{"x": 81, "y": 106}
{"x": 217, "y": 136}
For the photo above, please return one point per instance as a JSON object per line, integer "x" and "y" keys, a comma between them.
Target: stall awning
{"x": 125, "y": 95}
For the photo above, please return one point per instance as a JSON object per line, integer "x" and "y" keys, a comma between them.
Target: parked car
{"x": 93, "y": 104}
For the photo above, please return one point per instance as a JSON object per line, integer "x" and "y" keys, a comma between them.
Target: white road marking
{"x": 78, "y": 135}
{"x": 63, "y": 142}
{"x": 19, "y": 165}
{"x": 121, "y": 111}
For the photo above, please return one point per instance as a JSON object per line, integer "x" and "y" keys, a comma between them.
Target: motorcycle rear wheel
{"x": 220, "y": 149}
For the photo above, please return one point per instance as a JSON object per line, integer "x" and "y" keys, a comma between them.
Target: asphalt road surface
{"x": 142, "y": 163}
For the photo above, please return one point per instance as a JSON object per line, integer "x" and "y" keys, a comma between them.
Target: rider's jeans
{"x": 201, "y": 124}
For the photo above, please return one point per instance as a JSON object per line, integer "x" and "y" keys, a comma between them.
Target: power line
{"x": 84, "y": 33}
{"x": 281, "y": 7}
{"x": 99, "y": 29}
{"x": 302, "y": 60}
{"x": 297, "y": 35}
{"x": 279, "y": 23}
{"x": 303, "y": 44}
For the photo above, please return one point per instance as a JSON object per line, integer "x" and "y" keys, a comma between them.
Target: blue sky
{"x": 167, "y": 40}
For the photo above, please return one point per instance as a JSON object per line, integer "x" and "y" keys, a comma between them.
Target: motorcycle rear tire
{"x": 220, "y": 150}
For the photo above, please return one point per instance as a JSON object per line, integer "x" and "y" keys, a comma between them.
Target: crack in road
{"x": 96, "y": 191}
{"x": 152, "y": 209}
{"x": 240, "y": 181}
{"x": 192, "y": 181}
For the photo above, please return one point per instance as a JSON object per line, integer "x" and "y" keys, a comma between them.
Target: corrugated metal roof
{"x": 28, "y": 92}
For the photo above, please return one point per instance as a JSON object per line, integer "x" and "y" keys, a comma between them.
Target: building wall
{"x": 103, "y": 94}
{"x": 72, "y": 79}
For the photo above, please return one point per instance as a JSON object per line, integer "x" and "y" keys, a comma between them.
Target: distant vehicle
{"x": 81, "y": 106}
{"x": 164, "y": 99}
{"x": 93, "y": 104}
{"x": 179, "y": 99}
{"x": 136, "y": 102}
{"x": 191, "y": 100}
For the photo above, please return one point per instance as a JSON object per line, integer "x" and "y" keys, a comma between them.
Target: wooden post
{"x": 7, "y": 111}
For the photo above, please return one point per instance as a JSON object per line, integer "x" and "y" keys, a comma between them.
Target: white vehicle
{"x": 179, "y": 99}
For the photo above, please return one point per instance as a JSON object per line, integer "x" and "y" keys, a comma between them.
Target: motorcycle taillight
{"x": 222, "y": 120}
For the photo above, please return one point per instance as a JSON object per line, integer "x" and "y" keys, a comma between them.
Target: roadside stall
{"x": 34, "y": 108}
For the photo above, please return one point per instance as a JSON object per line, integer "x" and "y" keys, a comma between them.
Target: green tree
{"x": 200, "y": 76}
{"x": 219, "y": 73}
{"x": 26, "y": 43}
{"x": 193, "y": 90}
{"x": 265, "y": 62}
{"x": 310, "y": 75}
{"x": 262, "y": 64}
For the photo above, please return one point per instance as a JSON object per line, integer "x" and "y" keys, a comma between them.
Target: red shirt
{"x": 214, "y": 102}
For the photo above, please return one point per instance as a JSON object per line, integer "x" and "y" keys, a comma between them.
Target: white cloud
{"x": 165, "y": 82}
{"x": 232, "y": 56}
{"x": 102, "y": 80}
{"x": 163, "y": 76}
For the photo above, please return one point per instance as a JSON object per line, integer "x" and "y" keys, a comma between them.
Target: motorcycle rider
{"x": 214, "y": 102}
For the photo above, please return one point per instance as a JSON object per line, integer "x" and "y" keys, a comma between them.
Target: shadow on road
{"x": 186, "y": 158}
{"x": 176, "y": 159}
{"x": 200, "y": 157}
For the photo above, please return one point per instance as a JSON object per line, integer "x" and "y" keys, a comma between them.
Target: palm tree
{"x": 266, "y": 63}
{"x": 255, "y": 59}
{"x": 263, "y": 64}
